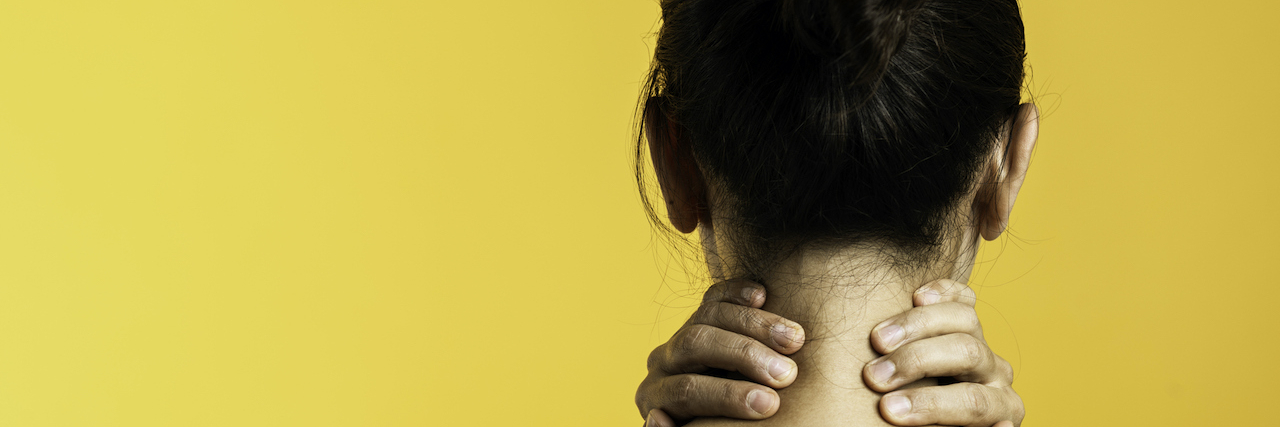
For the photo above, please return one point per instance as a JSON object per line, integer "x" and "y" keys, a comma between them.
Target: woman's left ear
{"x": 1010, "y": 167}
{"x": 683, "y": 187}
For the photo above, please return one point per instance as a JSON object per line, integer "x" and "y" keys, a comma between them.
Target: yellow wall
{"x": 421, "y": 213}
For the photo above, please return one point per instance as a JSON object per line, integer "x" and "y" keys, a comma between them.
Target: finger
{"x": 773, "y": 330}
{"x": 961, "y": 404}
{"x": 925, "y": 322}
{"x": 957, "y": 355}
{"x": 688, "y": 396}
{"x": 698, "y": 347}
{"x": 1005, "y": 423}
{"x": 945, "y": 290}
{"x": 657, "y": 418}
{"x": 738, "y": 291}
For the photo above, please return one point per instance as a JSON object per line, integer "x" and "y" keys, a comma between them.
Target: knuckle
{"x": 728, "y": 391}
{"x": 1019, "y": 409}
{"x": 683, "y": 389}
{"x": 642, "y": 401}
{"x": 979, "y": 402}
{"x": 654, "y": 362}
{"x": 969, "y": 317}
{"x": 973, "y": 351}
{"x": 745, "y": 347}
{"x": 688, "y": 340}
{"x": 967, "y": 313}
{"x": 717, "y": 312}
{"x": 731, "y": 314}
{"x": 925, "y": 404}
{"x": 751, "y": 319}
{"x": 705, "y": 312}
{"x": 1006, "y": 370}
{"x": 916, "y": 320}
{"x": 909, "y": 361}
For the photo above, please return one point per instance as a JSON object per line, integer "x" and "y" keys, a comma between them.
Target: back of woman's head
{"x": 838, "y": 121}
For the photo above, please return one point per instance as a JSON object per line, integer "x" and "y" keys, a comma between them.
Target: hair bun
{"x": 861, "y": 34}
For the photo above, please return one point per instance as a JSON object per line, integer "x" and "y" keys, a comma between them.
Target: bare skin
{"x": 839, "y": 316}
{"x": 838, "y": 296}
{"x": 733, "y": 331}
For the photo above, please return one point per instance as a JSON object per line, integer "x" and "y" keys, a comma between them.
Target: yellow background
{"x": 219, "y": 213}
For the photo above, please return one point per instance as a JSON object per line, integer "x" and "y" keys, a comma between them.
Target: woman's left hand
{"x": 941, "y": 337}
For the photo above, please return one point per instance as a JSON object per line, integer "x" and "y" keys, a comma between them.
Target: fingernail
{"x": 898, "y": 406}
{"x": 883, "y": 370}
{"x": 779, "y": 369}
{"x": 783, "y": 335}
{"x": 760, "y": 401}
{"x": 929, "y": 297}
{"x": 749, "y": 295}
{"x": 890, "y": 335}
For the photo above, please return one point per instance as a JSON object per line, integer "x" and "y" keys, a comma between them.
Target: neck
{"x": 838, "y": 297}
{"x": 836, "y": 287}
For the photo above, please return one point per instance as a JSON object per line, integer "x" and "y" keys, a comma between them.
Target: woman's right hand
{"x": 729, "y": 332}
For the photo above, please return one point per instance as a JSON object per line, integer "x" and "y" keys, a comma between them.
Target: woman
{"x": 838, "y": 153}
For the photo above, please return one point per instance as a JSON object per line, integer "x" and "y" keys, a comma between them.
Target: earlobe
{"x": 678, "y": 174}
{"x": 1011, "y": 171}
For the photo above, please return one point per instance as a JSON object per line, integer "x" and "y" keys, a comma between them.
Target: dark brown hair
{"x": 837, "y": 120}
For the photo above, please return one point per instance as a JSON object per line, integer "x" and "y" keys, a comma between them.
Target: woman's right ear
{"x": 681, "y": 181}
{"x": 1010, "y": 166}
